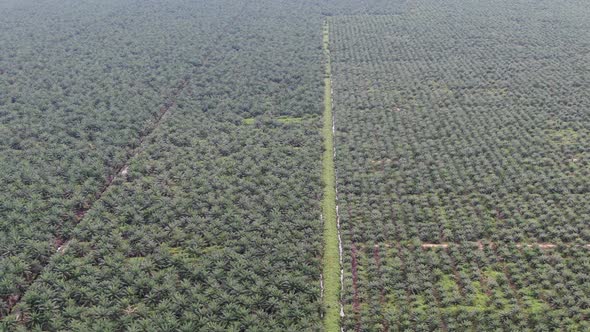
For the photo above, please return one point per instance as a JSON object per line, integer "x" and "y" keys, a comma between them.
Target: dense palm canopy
{"x": 161, "y": 164}
{"x": 214, "y": 223}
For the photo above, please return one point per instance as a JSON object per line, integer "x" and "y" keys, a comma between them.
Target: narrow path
{"x": 332, "y": 258}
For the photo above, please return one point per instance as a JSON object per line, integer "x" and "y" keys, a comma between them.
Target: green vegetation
{"x": 214, "y": 226}
{"x": 248, "y": 121}
{"x": 78, "y": 90}
{"x": 261, "y": 165}
{"x": 463, "y": 124}
{"x": 289, "y": 119}
{"x": 331, "y": 257}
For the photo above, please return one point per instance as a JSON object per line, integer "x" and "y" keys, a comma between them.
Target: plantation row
{"x": 215, "y": 224}
{"x": 458, "y": 126}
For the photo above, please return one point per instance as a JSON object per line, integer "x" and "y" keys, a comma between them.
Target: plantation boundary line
{"x": 332, "y": 276}
{"x": 168, "y": 104}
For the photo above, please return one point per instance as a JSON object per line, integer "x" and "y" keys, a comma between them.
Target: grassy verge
{"x": 331, "y": 258}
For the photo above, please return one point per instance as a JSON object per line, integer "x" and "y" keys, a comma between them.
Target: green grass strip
{"x": 331, "y": 257}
